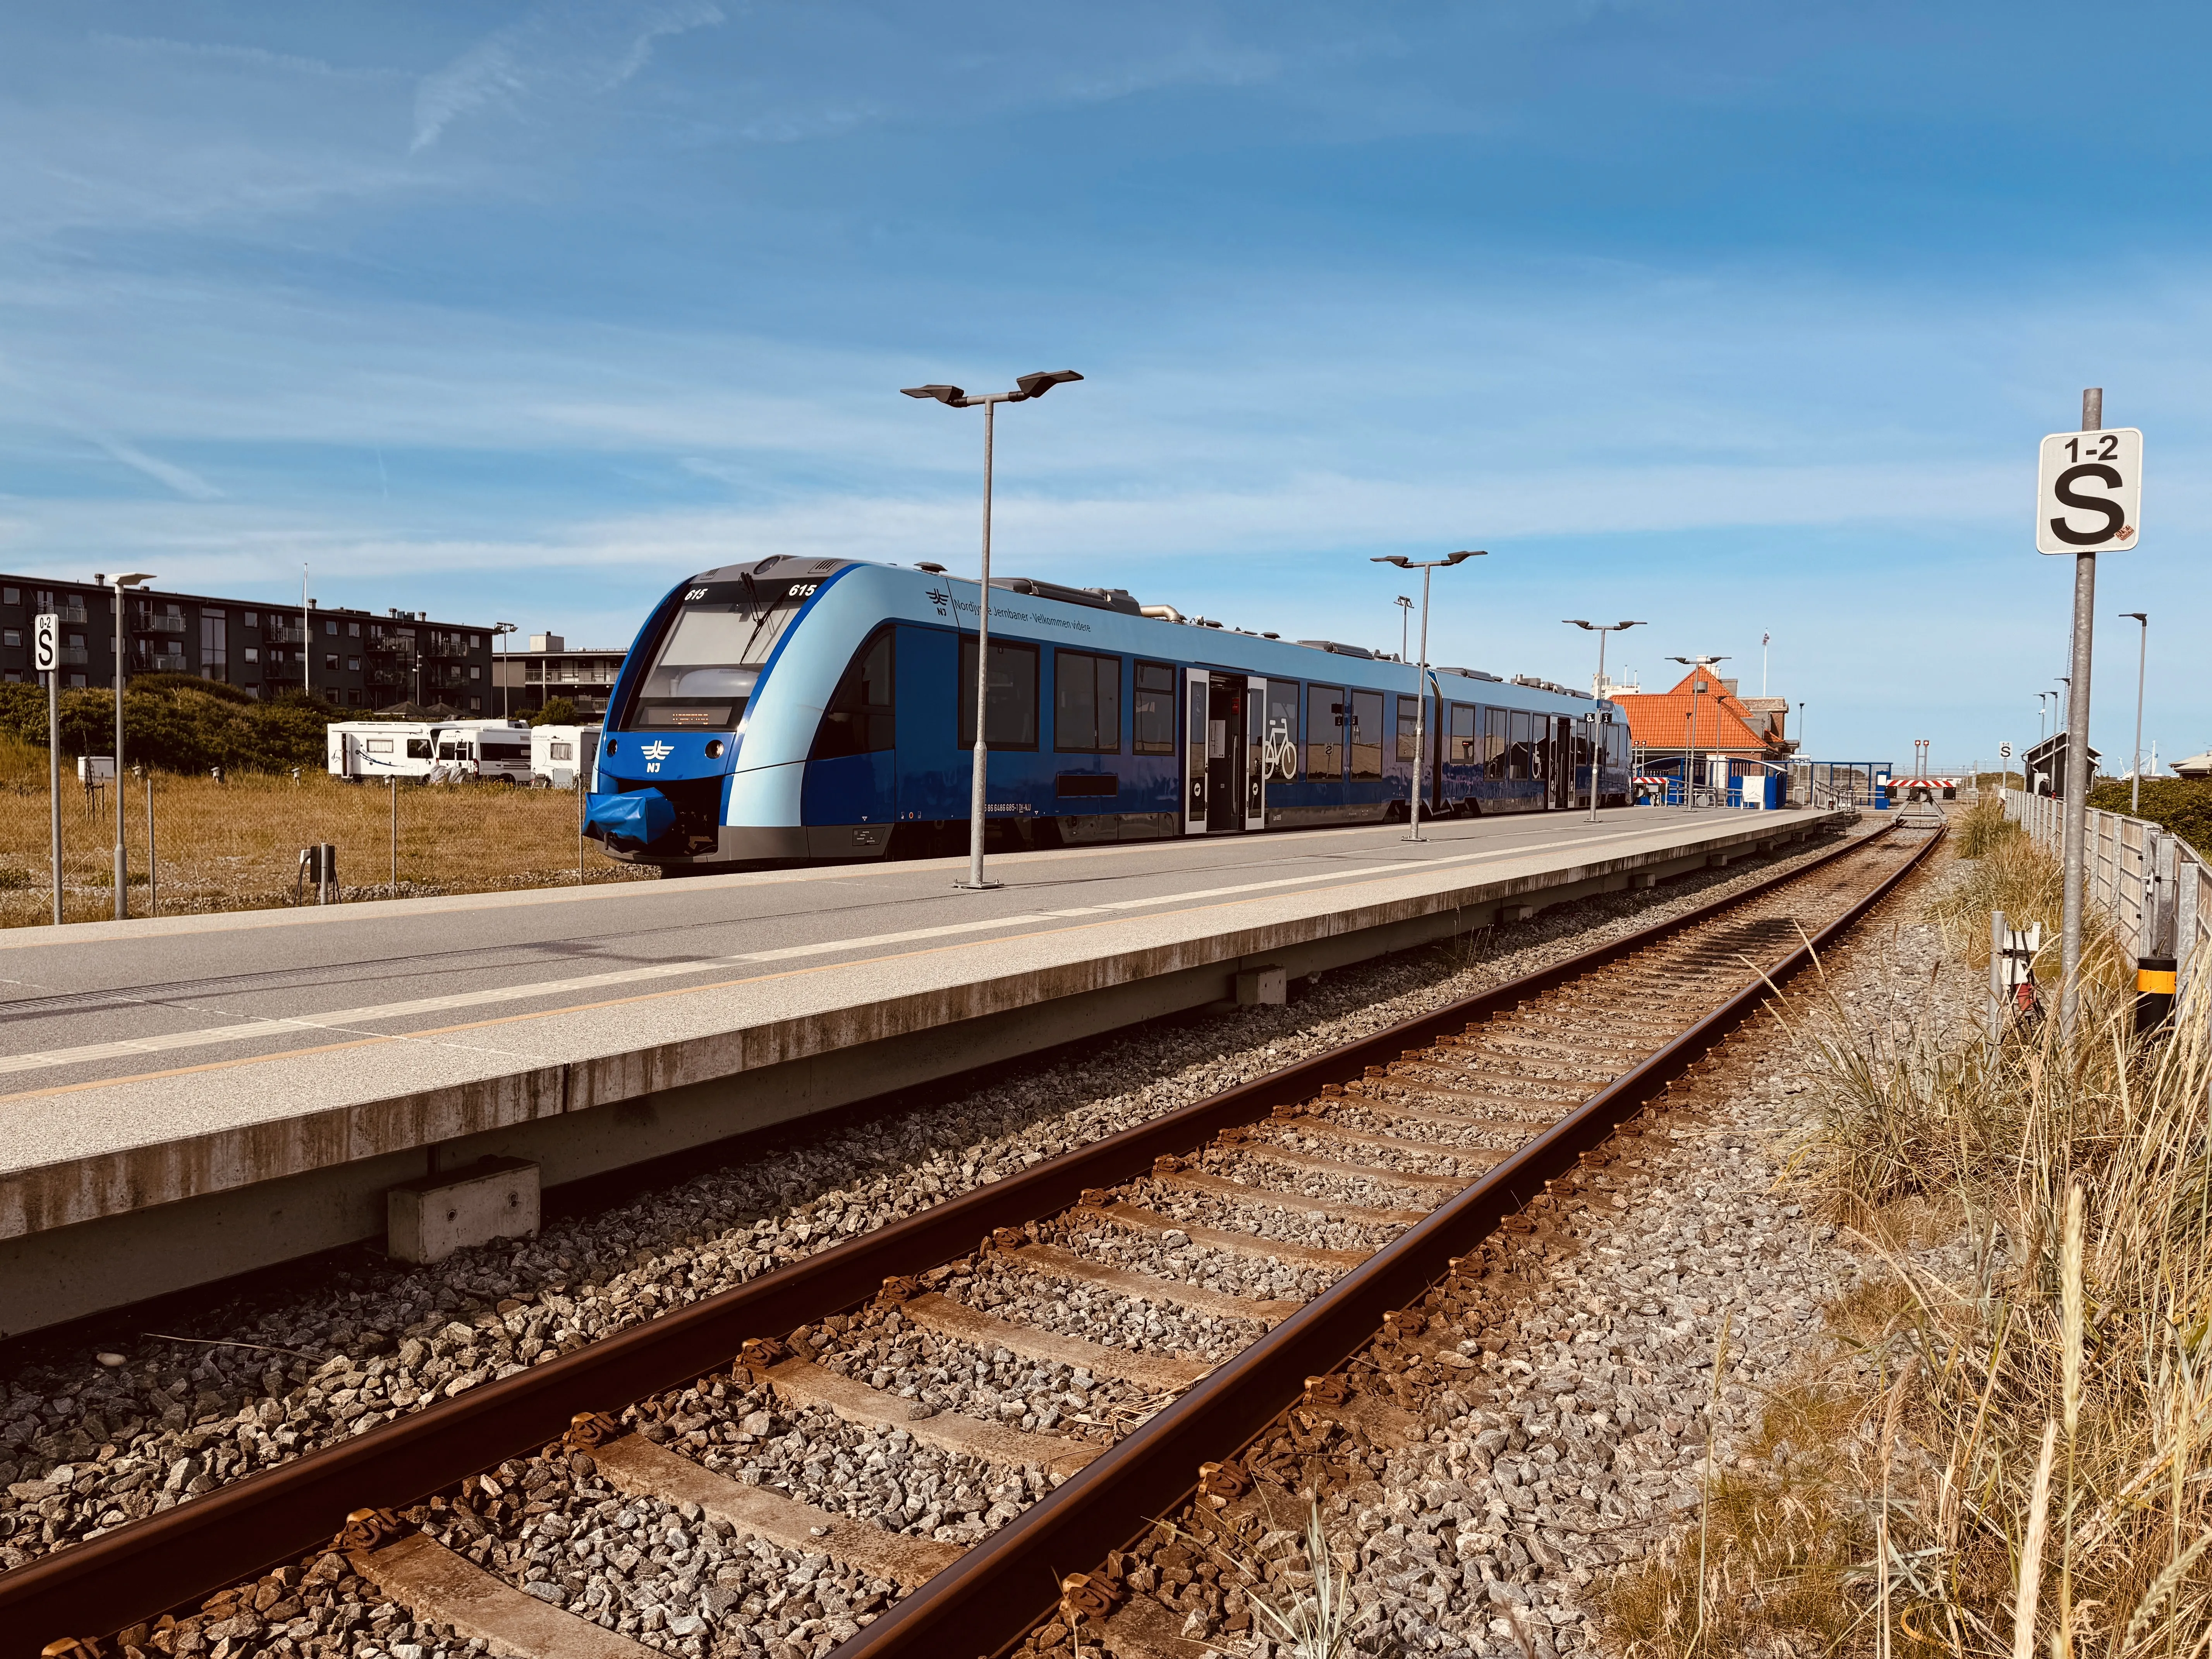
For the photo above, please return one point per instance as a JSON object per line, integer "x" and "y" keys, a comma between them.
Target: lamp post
{"x": 1421, "y": 686}
{"x": 499, "y": 631}
{"x": 1026, "y": 387}
{"x": 1405, "y": 621}
{"x": 1597, "y": 686}
{"x": 1697, "y": 689}
{"x": 122, "y": 872}
{"x": 2143, "y": 654}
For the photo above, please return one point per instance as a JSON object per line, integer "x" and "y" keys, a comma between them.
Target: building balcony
{"x": 171, "y": 663}
{"x": 275, "y": 635}
{"x": 72, "y": 613}
{"x": 74, "y": 656}
{"x": 158, "y": 625}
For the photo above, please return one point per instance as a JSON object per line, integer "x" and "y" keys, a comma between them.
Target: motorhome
{"x": 559, "y": 753}
{"x": 489, "y": 750}
{"x": 428, "y": 750}
{"x": 361, "y": 750}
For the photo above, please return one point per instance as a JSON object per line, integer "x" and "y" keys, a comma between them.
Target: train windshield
{"x": 707, "y": 663}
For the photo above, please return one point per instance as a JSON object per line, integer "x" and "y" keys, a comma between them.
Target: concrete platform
{"x": 182, "y": 1099}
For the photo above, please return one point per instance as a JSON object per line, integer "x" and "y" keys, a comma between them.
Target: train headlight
{"x": 715, "y": 749}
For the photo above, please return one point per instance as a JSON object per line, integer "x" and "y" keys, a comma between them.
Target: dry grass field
{"x": 236, "y": 845}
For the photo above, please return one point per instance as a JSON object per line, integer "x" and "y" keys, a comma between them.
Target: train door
{"x": 1255, "y": 749}
{"x": 1563, "y": 762}
{"x": 1196, "y": 683}
{"x": 1225, "y": 753}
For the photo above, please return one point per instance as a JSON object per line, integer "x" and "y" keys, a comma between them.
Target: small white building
{"x": 2197, "y": 766}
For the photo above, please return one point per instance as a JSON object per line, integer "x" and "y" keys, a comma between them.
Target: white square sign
{"x": 2089, "y": 491}
{"x": 46, "y": 642}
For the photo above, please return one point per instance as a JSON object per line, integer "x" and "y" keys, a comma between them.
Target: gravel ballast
{"x": 90, "y": 1439}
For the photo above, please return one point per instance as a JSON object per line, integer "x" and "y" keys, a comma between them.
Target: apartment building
{"x": 356, "y": 658}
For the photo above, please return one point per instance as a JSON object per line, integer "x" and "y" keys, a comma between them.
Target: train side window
{"x": 1409, "y": 710}
{"x": 1466, "y": 747}
{"x": 1497, "y": 739}
{"x": 1154, "y": 710}
{"x": 1521, "y": 757}
{"x": 1324, "y": 733}
{"x": 1012, "y": 717}
{"x": 1366, "y": 735}
{"x": 862, "y": 717}
{"x": 1086, "y": 703}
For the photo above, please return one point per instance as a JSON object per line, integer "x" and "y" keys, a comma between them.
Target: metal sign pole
{"x": 2077, "y": 760}
{"x": 46, "y": 635}
{"x": 978, "y": 783}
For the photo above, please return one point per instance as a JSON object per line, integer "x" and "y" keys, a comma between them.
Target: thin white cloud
{"x": 592, "y": 47}
{"x": 184, "y": 481}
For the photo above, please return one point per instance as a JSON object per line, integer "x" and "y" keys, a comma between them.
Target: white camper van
{"x": 486, "y": 749}
{"x": 559, "y": 754}
{"x": 361, "y": 750}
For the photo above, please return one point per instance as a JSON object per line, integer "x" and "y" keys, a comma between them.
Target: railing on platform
{"x": 2155, "y": 886}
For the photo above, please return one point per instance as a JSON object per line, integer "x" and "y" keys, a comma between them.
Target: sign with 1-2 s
{"x": 46, "y": 642}
{"x": 2089, "y": 491}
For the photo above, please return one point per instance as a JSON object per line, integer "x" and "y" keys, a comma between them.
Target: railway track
{"x": 1202, "y": 1310}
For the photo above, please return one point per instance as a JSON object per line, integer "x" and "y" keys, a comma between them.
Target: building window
{"x": 1324, "y": 734}
{"x": 11, "y": 596}
{"x": 476, "y": 641}
{"x": 1367, "y": 735}
{"x": 253, "y": 654}
{"x": 76, "y": 682}
{"x": 215, "y": 646}
{"x": 330, "y": 660}
{"x": 11, "y": 636}
{"x": 1153, "y": 711}
{"x": 353, "y": 699}
{"x": 352, "y": 629}
{"x": 475, "y": 671}
{"x": 860, "y": 719}
{"x": 252, "y": 619}
{"x": 1012, "y": 695}
{"x": 475, "y": 705}
{"x": 1086, "y": 703}
{"x": 352, "y": 665}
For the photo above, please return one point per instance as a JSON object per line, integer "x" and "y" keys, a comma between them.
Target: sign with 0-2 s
{"x": 46, "y": 642}
{"x": 2089, "y": 491}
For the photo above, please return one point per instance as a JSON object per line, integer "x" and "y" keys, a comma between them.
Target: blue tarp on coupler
{"x": 630, "y": 822}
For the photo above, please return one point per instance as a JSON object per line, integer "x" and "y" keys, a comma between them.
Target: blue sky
{"x": 1740, "y": 319}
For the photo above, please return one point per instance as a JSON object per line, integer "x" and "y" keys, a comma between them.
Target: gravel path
{"x": 89, "y": 1439}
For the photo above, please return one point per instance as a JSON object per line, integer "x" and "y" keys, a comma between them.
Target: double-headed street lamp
{"x": 122, "y": 874}
{"x": 1689, "y": 761}
{"x": 1025, "y": 387}
{"x": 1597, "y": 689}
{"x": 1421, "y": 701}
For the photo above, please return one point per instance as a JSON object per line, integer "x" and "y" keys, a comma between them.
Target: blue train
{"x": 795, "y": 710}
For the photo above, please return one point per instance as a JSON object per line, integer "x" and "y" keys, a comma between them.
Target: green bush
{"x": 176, "y": 724}
{"x": 2182, "y": 805}
{"x": 559, "y": 712}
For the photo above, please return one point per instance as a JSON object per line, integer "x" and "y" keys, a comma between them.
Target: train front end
{"x": 695, "y": 710}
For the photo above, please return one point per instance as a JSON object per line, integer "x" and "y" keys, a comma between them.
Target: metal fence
{"x": 2156, "y": 888}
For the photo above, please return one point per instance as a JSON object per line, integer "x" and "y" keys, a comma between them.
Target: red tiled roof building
{"x": 1727, "y": 726}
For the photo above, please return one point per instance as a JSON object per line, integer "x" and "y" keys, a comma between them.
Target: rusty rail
{"x": 150, "y": 1566}
{"x": 993, "y": 1595}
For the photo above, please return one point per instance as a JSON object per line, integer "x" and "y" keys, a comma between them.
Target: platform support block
{"x": 428, "y": 1220}
{"x": 1262, "y": 988}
